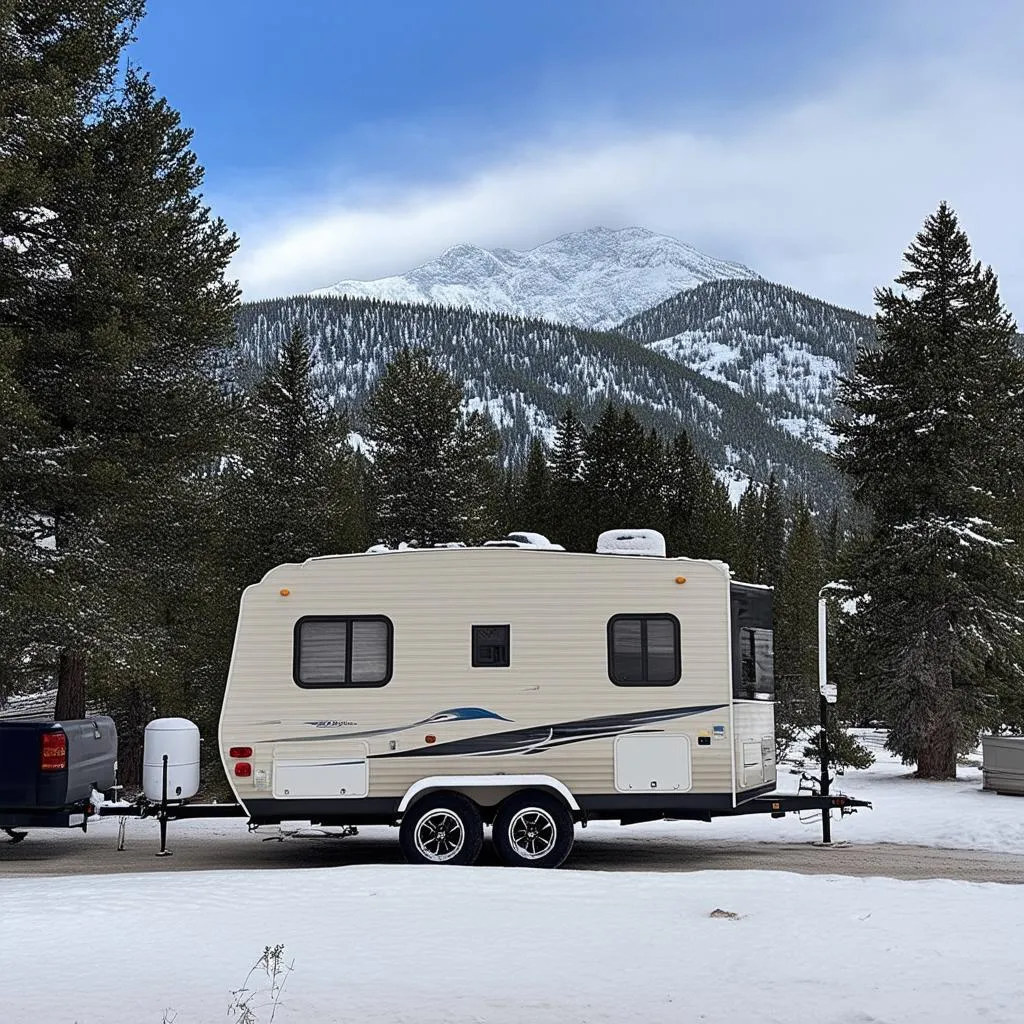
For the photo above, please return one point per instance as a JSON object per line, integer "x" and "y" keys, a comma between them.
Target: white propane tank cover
{"x": 631, "y": 542}
{"x": 178, "y": 738}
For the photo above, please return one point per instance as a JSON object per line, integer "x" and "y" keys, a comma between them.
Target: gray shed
{"x": 1003, "y": 764}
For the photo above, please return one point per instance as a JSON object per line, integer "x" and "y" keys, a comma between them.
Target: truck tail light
{"x": 240, "y": 752}
{"x": 243, "y": 769}
{"x": 53, "y": 752}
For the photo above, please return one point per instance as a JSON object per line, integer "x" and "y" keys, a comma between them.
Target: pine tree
{"x": 295, "y": 491}
{"x": 434, "y": 477}
{"x": 714, "y": 520}
{"x": 58, "y": 63}
{"x": 476, "y": 479}
{"x": 934, "y": 447}
{"x": 773, "y": 535}
{"x": 832, "y": 542}
{"x": 534, "y": 505}
{"x": 622, "y": 475}
{"x": 796, "y": 627}
{"x": 749, "y": 540}
{"x": 681, "y": 496}
{"x": 568, "y": 525}
{"x": 127, "y": 327}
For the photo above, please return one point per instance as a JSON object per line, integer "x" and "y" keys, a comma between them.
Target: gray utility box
{"x": 1003, "y": 764}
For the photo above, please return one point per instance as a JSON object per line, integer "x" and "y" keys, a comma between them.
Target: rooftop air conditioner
{"x": 631, "y": 542}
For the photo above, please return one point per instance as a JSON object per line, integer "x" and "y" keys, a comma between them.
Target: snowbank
{"x": 489, "y": 944}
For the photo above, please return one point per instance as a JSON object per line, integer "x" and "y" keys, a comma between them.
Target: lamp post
{"x": 826, "y": 696}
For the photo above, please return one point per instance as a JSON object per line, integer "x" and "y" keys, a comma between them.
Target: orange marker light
{"x": 680, "y": 579}
{"x": 285, "y": 591}
{"x": 430, "y": 739}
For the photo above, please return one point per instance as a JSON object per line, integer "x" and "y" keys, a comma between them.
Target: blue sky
{"x": 351, "y": 140}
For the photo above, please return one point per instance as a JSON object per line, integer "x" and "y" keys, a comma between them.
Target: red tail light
{"x": 243, "y": 769}
{"x": 53, "y": 753}
{"x": 240, "y": 752}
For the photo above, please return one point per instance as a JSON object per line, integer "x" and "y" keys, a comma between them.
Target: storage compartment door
{"x": 753, "y": 764}
{"x": 652, "y": 764}
{"x": 320, "y": 778}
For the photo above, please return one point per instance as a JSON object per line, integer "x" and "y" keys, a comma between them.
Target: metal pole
{"x": 826, "y": 820}
{"x": 163, "y": 852}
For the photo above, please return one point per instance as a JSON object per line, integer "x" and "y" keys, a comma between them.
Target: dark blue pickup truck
{"x": 48, "y": 770}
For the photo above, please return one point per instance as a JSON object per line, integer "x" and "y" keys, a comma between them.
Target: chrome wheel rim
{"x": 532, "y": 833}
{"x": 439, "y": 835}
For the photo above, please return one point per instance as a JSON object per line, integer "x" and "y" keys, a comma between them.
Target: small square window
{"x": 491, "y": 647}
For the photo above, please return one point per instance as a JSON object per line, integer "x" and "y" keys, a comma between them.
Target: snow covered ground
{"x": 393, "y": 943}
{"x": 493, "y": 945}
{"x": 957, "y": 815}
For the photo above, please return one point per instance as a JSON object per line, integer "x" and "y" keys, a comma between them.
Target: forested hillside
{"x": 783, "y": 350}
{"x": 525, "y": 372}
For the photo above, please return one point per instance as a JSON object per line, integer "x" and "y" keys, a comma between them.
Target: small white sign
{"x": 828, "y": 691}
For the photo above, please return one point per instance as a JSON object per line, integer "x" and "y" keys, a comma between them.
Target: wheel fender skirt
{"x": 487, "y": 781}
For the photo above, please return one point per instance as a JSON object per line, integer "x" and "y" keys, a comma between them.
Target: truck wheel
{"x": 533, "y": 830}
{"x": 444, "y": 828}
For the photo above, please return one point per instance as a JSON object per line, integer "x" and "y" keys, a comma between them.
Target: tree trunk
{"x": 70, "y": 685}
{"x": 937, "y": 759}
{"x": 940, "y": 719}
{"x": 131, "y": 737}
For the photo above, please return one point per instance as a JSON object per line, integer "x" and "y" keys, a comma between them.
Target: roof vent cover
{"x": 523, "y": 539}
{"x": 631, "y": 542}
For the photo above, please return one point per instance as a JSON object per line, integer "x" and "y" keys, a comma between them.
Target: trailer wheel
{"x": 533, "y": 830}
{"x": 442, "y": 828}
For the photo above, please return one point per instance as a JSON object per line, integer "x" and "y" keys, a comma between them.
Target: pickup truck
{"x": 49, "y": 770}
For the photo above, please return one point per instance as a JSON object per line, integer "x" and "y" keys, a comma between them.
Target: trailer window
{"x": 757, "y": 664}
{"x": 643, "y": 650}
{"x": 343, "y": 650}
{"x": 491, "y": 647}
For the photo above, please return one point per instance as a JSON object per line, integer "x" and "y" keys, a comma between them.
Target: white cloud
{"x": 822, "y": 194}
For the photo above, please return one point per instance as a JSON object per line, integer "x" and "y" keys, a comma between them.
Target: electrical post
{"x": 826, "y": 696}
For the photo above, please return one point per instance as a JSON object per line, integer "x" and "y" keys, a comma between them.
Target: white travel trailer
{"x": 515, "y": 685}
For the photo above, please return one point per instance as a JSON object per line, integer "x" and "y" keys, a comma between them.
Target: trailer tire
{"x": 533, "y": 830}
{"x": 442, "y": 828}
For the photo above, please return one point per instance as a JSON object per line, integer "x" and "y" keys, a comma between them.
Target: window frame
{"x": 474, "y": 663}
{"x": 753, "y": 691}
{"x": 644, "y": 618}
{"x": 348, "y": 620}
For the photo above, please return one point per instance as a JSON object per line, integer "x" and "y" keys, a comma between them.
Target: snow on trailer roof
{"x": 612, "y": 542}
{"x": 642, "y": 543}
{"x": 518, "y": 539}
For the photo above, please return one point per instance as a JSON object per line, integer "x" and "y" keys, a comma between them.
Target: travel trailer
{"x": 514, "y": 685}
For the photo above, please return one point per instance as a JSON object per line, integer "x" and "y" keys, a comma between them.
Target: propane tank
{"x": 178, "y": 738}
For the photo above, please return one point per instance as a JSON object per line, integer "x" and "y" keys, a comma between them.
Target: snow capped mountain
{"x": 595, "y": 278}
